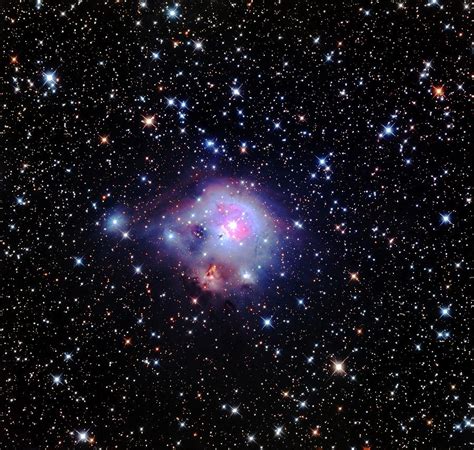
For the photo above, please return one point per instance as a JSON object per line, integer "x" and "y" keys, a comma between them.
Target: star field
{"x": 236, "y": 225}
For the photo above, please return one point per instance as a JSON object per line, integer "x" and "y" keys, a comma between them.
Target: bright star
{"x": 104, "y": 140}
{"x": 78, "y": 262}
{"x": 56, "y": 379}
{"x": 82, "y": 436}
{"x": 267, "y": 322}
{"x": 148, "y": 121}
{"x": 354, "y": 276}
{"x": 387, "y": 130}
{"x": 235, "y": 91}
{"x": 445, "y": 311}
{"x": 338, "y": 367}
{"x": 115, "y": 221}
{"x": 172, "y": 13}
{"x": 49, "y": 77}
{"x": 442, "y": 335}
{"x": 446, "y": 218}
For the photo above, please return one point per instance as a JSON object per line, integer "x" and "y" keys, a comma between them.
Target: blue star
{"x": 445, "y": 311}
{"x": 236, "y": 91}
{"x": 173, "y": 12}
{"x": 78, "y": 261}
{"x": 388, "y": 130}
{"x": 322, "y": 162}
{"x": 443, "y": 335}
{"x": 209, "y": 143}
{"x": 82, "y": 436}
{"x": 446, "y": 219}
{"x": 56, "y": 379}
{"x": 116, "y": 221}
{"x": 49, "y": 78}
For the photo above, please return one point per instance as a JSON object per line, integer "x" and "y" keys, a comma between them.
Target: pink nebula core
{"x": 233, "y": 221}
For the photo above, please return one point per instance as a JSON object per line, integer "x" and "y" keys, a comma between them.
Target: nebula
{"x": 226, "y": 238}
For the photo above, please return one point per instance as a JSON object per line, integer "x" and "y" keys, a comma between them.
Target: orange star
{"x": 104, "y": 140}
{"x": 438, "y": 91}
{"x": 354, "y": 276}
{"x": 148, "y": 121}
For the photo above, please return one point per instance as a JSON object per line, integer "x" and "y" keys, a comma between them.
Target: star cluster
{"x": 236, "y": 224}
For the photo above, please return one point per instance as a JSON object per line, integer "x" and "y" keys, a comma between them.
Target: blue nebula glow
{"x": 116, "y": 222}
{"x": 226, "y": 237}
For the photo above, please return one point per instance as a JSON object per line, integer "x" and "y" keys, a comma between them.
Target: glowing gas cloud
{"x": 226, "y": 238}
